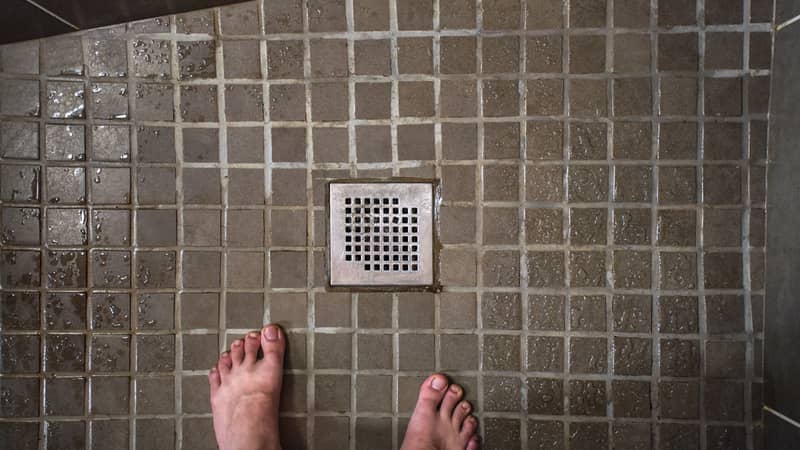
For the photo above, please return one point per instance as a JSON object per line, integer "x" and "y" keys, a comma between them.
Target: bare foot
{"x": 440, "y": 421}
{"x": 246, "y": 392}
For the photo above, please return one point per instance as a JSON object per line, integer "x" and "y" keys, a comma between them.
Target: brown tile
{"x": 501, "y": 352}
{"x": 415, "y": 310}
{"x": 632, "y": 97}
{"x": 543, "y": 53}
{"x": 760, "y": 50}
{"x": 678, "y": 315}
{"x": 333, "y": 351}
{"x": 195, "y": 398}
{"x": 588, "y": 14}
{"x": 501, "y": 268}
{"x": 459, "y": 352}
{"x": 371, "y": 15}
{"x": 372, "y": 57}
{"x": 287, "y": 102}
{"x": 722, "y": 184}
{"x": 500, "y": 433}
{"x": 110, "y": 395}
{"x": 588, "y": 141}
{"x": 722, "y": 140}
{"x": 677, "y": 52}
{"x": 677, "y": 185}
{"x": 544, "y": 183}
{"x": 678, "y": 141}
{"x": 458, "y": 267}
{"x": 543, "y": 226}
{"x": 723, "y": 96}
{"x": 500, "y": 394}
{"x": 587, "y": 269}
{"x": 332, "y": 310}
{"x": 374, "y": 393}
{"x": 501, "y": 226}
{"x": 725, "y": 314}
{"x": 288, "y": 269}
{"x": 457, "y": 224}
{"x": 458, "y": 182}
{"x": 545, "y": 434}
{"x": 67, "y": 185}
{"x": 458, "y": 55}
{"x": 415, "y": 55}
{"x": 588, "y": 183}
{"x": 587, "y": 53}
{"x": 244, "y": 102}
{"x": 374, "y": 310}
{"x": 201, "y": 269}
{"x": 587, "y": 313}
{"x": 416, "y": 352}
{"x": 632, "y": 356}
{"x": 678, "y": 435}
{"x": 22, "y": 397}
{"x": 501, "y": 311}
{"x": 373, "y": 100}
{"x": 239, "y": 19}
{"x": 283, "y": 16}
{"x": 501, "y": 15}
{"x": 64, "y": 434}
{"x": 110, "y": 434}
{"x": 588, "y": 97}
{"x": 634, "y": 51}
{"x": 373, "y": 433}
{"x": 724, "y": 51}
{"x": 326, "y": 15}
{"x": 375, "y": 351}
{"x": 329, "y": 101}
{"x": 110, "y": 353}
{"x": 631, "y": 398}
{"x": 288, "y": 144}
{"x": 415, "y": 142}
{"x": 455, "y": 14}
{"x": 546, "y": 354}
{"x": 722, "y": 227}
{"x": 22, "y": 226}
{"x": 244, "y": 310}
{"x": 500, "y": 183}
{"x": 587, "y": 398}
{"x": 198, "y": 103}
{"x": 501, "y": 54}
{"x": 677, "y": 227}
{"x": 632, "y": 184}
{"x": 676, "y": 13}
{"x": 725, "y": 359}
{"x": 719, "y": 12}
{"x": 632, "y": 226}
{"x": 545, "y": 140}
{"x": 200, "y": 186}
{"x": 21, "y": 354}
{"x": 457, "y": 310}
{"x": 632, "y": 313}
{"x": 680, "y": 358}
{"x": 241, "y": 59}
{"x": 150, "y": 432}
{"x": 416, "y": 98}
{"x": 546, "y": 269}
{"x": 22, "y": 311}
{"x": 545, "y": 97}
{"x": 500, "y": 98}
{"x": 332, "y": 432}
{"x": 546, "y": 312}
{"x": 544, "y": 14}
{"x": 678, "y": 96}
{"x": 245, "y": 187}
{"x": 724, "y": 401}
{"x": 632, "y": 269}
{"x": 155, "y": 395}
{"x": 24, "y": 272}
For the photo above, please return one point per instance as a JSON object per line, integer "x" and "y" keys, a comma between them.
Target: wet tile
{"x": 545, "y": 396}
{"x": 632, "y": 97}
{"x": 244, "y": 102}
{"x": 110, "y": 434}
{"x": 543, "y": 226}
{"x": 677, "y": 435}
{"x": 200, "y": 145}
{"x": 723, "y": 270}
{"x": 501, "y": 311}
{"x": 546, "y": 353}
{"x": 201, "y": 186}
{"x": 155, "y": 144}
{"x": 501, "y": 268}
{"x": 632, "y": 183}
{"x": 587, "y": 313}
{"x": 65, "y": 353}
{"x": 633, "y": 435}
{"x": 545, "y": 435}
{"x": 287, "y": 102}
{"x": 546, "y": 269}
{"x": 500, "y": 98}
{"x": 151, "y": 58}
{"x": 111, "y": 269}
{"x": 588, "y": 355}
{"x": 195, "y": 22}
{"x": 632, "y": 226}
{"x": 634, "y": 49}
{"x": 632, "y": 356}
{"x": 677, "y": 270}
{"x": 329, "y": 58}
{"x": 502, "y": 15}
{"x": 199, "y": 311}
{"x": 21, "y": 268}
{"x": 241, "y": 19}
{"x": 722, "y": 184}
{"x": 501, "y": 54}
{"x": 20, "y": 354}
{"x": 65, "y": 143}
{"x": 20, "y": 311}
{"x": 372, "y": 57}
{"x": 155, "y": 269}
{"x": 65, "y": 185}
{"x": 678, "y": 141}
{"x": 151, "y": 433}
{"x": 326, "y": 15}
{"x": 66, "y": 434}
{"x": 110, "y": 311}
{"x": 723, "y": 50}
{"x": 66, "y": 269}
{"x": 544, "y": 183}
{"x": 110, "y": 353}
{"x": 500, "y": 182}
{"x": 677, "y": 185}
{"x": 374, "y": 393}
{"x": 154, "y": 101}
{"x": 21, "y": 97}
{"x": 501, "y": 394}
{"x": 720, "y": 437}
{"x": 588, "y": 141}
{"x": 155, "y": 185}
{"x": 499, "y": 433}
{"x": 501, "y": 226}
{"x": 587, "y": 54}
{"x": 113, "y": 185}
{"x": 155, "y": 311}
{"x": 680, "y": 358}
{"x": 724, "y": 401}
{"x": 415, "y": 55}
{"x": 679, "y": 399}
{"x": 416, "y": 352}
{"x": 199, "y": 103}
{"x": 110, "y": 395}
{"x": 631, "y": 399}
{"x": 196, "y": 59}
{"x": 109, "y": 100}
{"x": 587, "y": 269}
{"x": 678, "y": 96}
{"x": 111, "y": 143}
{"x": 588, "y": 98}
{"x": 241, "y": 59}
{"x": 332, "y": 393}
{"x": 501, "y": 352}
{"x": 20, "y": 226}
{"x": 587, "y": 398}
{"x": 22, "y": 397}
{"x": 588, "y": 183}
{"x": 543, "y": 54}
{"x": 545, "y": 97}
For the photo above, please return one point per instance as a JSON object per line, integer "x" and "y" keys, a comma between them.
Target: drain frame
{"x": 334, "y": 215}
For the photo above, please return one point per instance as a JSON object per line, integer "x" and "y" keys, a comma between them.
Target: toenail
{"x": 454, "y": 389}
{"x": 438, "y": 383}
{"x": 465, "y": 405}
{"x": 225, "y": 353}
{"x": 213, "y": 369}
{"x": 252, "y": 334}
{"x": 271, "y": 332}
{"x": 237, "y": 343}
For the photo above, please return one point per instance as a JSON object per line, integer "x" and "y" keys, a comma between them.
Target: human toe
{"x": 460, "y": 413}
{"x": 251, "y": 346}
{"x": 431, "y": 392}
{"x": 451, "y": 398}
{"x": 237, "y": 352}
{"x": 273, "y": 344}
{"x": 469, "y": 427}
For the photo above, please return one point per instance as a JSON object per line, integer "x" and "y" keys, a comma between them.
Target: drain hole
{"x": 391, "y": 232}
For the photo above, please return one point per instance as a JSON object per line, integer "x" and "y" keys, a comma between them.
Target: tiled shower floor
{"x": 603, "y": 181}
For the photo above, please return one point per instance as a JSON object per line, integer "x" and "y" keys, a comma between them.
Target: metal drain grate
{"x": 381, "y": 234}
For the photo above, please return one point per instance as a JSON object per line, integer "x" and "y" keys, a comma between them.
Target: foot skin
{"x": 441, "y": 421}
{"x": 245, "y": 392}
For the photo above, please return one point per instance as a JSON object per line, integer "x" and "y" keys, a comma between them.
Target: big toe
{"x": 431, "y": 393}
{"x": 273, "y": 345}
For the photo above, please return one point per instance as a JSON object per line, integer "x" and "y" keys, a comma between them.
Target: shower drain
{"x": 380, "y": 233}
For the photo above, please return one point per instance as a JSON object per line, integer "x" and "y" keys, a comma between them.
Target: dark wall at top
{"x": 21, "y": 20}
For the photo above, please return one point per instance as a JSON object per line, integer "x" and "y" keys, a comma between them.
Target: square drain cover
{"x": 381, "y": 233}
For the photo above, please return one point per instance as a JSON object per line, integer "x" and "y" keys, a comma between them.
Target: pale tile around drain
{"x": 381, "y": 234}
